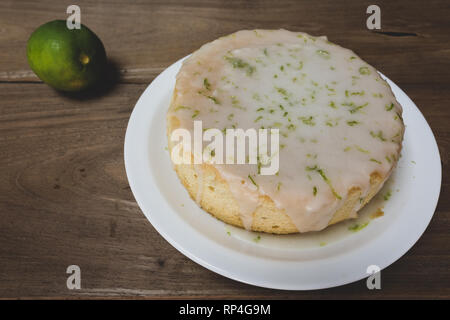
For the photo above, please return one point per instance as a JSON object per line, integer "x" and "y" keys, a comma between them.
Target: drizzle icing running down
{"x": 339, "y": 121}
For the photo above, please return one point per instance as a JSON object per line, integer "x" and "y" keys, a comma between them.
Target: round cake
{"x": 338, "y": 124}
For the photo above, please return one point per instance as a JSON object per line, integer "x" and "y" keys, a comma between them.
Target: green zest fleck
{"x": 364, "y": 70}
{"x": 230, "y": 116}
{"x": 257, "y": 238}
{"x": 355, "y": 109}
{"x": 256, "y": 97}
{"x": 378, "y": 135}
{"x": 206, "y": 84}
{"x": 375, "y": 160}
{"x": 323, "y": 53}
{"x": 181, "y": 107}
{"x": 282, "y": 91}
{"x": 259, "y": 118}
{"x": 308, "y": 120}
{"x": 357, "y": 227}
{"x": 195, "y": 114}
{"x": 213, "y": 99}
{"x": 253, "y": 181}
{"x": 279, "y": 186}
{"x": 314, "y": 191}
{"x": 241, "y": 64}
{"x": 332, "y": 104}
{"x": 361, "y": 149}
{"x": 352, "y": 123}
{"x": 389, "y": 107}
{"x": 387, "y": 196}
{"x": 291, "y": 127}
{"x": 325, "y": 178}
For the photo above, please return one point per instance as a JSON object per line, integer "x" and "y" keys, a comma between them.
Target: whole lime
{"x": 66, "y": 59}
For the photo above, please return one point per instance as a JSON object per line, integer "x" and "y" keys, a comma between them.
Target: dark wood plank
{"x": 144, "y": 37}
{"x": 64, "y": 196}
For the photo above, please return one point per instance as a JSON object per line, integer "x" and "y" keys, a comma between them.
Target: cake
{"x": 340, "y": 129}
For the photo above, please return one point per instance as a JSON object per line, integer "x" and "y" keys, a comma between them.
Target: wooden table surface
{"x": 64, "y": 195}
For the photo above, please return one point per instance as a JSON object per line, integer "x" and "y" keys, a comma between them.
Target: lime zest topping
{"x": 352, "y": 122}
{"x": 387, "y": 196}
{"x": 314, "y": 191}
{"x": 241, "y": 64}
{"x": 357, "y": 227}
{"x": 323, "y": 53}
{"x": 282, "y": 91}
{"x": 356, "y": 109}
{"x": 325, "y": 178}
{"x": 375, "y": 160}
{"x": 361, "y": 149}
{"x": 181, "y": 107}
{"x": 308, "y": 120}
{"x": 206, "y": 84}
{"x": 378, "y": 135}
{"x": 195, "y": 114}
{"x": 389, "y": 107}
{"x": 291, "y": 126}
{"x": 253, "y": 181}
{"x": 364, "y": 70}
{"x": 213, "y": 99}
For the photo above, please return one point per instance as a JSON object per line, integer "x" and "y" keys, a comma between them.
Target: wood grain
{"x": 64, "y": 195}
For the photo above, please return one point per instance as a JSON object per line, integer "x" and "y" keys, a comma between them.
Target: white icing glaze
{"x": 339, "y": 121}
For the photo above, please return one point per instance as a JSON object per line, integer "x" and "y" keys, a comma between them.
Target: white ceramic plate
{"x": 329, "y": 258}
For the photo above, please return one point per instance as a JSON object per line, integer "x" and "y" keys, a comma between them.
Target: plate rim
{"x": 190, "y": 253}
